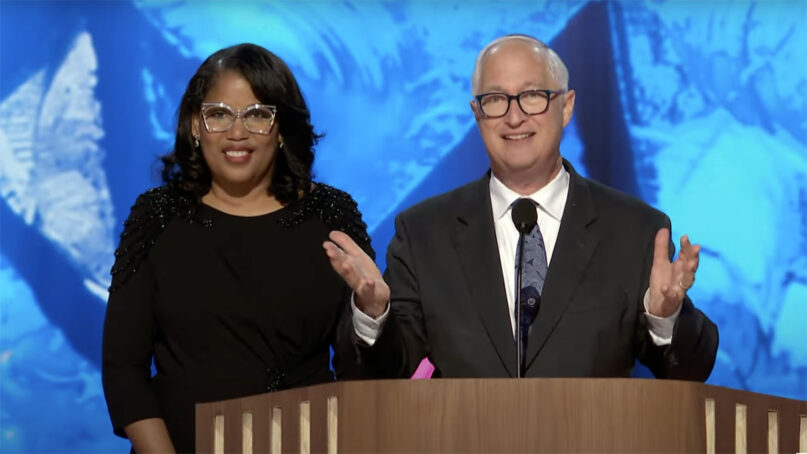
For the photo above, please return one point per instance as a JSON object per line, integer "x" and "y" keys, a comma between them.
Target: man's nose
{"x": 515, "y": 116}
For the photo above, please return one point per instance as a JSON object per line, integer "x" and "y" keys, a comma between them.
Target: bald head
{"x": 554, "y": 65}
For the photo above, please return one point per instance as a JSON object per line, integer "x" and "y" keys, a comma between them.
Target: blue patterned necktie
{"x": 533, "y": 274}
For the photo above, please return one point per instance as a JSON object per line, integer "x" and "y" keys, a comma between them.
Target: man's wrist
{"x": 374, "y": 312}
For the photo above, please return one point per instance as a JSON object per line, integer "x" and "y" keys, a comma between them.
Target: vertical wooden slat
{"x": 803, "y": 434}
{"x": 740, "y": 429}
{"x": 218, "y": 434}
{"x": 277, "y": 430}
{"x": 710, "y": 426}
{"x": 773, "y": 432}
{"x": 246, "y": 432}
{"x": 305, "y": 427}
{"x": 333, "y": 424}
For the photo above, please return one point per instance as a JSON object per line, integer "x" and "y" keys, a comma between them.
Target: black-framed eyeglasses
{"x": 531, "y": 102}
{"x": 257, "y": 118}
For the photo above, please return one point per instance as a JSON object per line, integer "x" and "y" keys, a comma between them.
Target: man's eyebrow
{"x": 530, "y": 85}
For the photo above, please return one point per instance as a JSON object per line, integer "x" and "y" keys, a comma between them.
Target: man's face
{"x": 518, "y": 144}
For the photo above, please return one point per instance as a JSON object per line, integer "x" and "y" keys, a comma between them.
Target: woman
{"x": 220, "y": 278}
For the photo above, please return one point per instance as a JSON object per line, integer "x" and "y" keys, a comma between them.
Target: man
{"x": 607, "y": 292}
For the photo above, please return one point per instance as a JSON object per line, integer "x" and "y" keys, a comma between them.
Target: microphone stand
{"x": 524, "y": 218}
{"x": 519, "y": 347}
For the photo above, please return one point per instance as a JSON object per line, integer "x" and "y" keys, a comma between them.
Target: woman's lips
{"x": 237, "y": 155}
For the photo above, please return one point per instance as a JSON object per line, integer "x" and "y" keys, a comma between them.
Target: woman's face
{"x": 240, "y": 161}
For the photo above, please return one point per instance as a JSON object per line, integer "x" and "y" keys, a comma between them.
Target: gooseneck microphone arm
{"x": 525, "y": 216}
{"x": 519, "y": 347}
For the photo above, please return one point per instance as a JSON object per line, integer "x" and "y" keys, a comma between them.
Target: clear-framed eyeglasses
{"x": 257, "y": 118}
{"x": 531, "y": 102}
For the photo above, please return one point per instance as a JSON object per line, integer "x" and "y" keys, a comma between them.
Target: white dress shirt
{"x": 551, "y": 201}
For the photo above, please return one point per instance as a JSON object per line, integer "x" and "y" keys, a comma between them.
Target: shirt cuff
{"x": 367, "y": 328}
{"x": 661, "y": 328}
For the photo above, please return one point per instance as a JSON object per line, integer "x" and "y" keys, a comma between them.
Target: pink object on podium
{"x": 424, "y": 371}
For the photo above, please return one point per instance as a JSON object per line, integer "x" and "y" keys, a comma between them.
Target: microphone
{"x": 524, "y": 217}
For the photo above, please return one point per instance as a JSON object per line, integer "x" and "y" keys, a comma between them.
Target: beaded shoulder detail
{"x": 336, "y": 209}
{"x": 151, "y": 213}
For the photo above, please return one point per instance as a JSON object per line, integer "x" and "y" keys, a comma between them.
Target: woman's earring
{"x": 196, "y": 141}
{"x": 280, "y": 145}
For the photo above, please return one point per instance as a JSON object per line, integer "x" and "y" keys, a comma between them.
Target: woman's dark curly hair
{"x": 185, "y": 168}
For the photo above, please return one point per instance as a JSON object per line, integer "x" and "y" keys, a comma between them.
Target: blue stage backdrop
{"x": 699, "y": 108}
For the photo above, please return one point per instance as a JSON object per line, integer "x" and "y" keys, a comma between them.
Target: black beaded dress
{"x": 222, "y": 306}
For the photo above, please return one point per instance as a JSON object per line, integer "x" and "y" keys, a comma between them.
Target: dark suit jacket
{"x": 448, "y": 297}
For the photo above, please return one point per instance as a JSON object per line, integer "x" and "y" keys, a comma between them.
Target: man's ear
{"x": 475, "y": 109}
{"x": 568, "y": 107}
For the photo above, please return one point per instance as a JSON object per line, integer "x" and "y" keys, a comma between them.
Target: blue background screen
{"x": 698, "y": 108}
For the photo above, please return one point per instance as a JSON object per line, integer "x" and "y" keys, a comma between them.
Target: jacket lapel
{"x": 476, "y": 247}
{"x": 573, "y": 250}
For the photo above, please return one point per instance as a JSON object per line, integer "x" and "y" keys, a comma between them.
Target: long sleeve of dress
{"x": 129, "y": 326}
{"x": 128, "y": 349}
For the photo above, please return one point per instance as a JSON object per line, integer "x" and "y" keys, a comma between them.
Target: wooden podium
{"x": 504, "y": 415}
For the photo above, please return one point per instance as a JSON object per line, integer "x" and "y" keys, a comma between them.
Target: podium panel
{"x": 504, "y": 415}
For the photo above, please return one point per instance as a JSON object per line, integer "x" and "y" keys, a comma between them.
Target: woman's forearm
{"x": 149, "y": 436}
